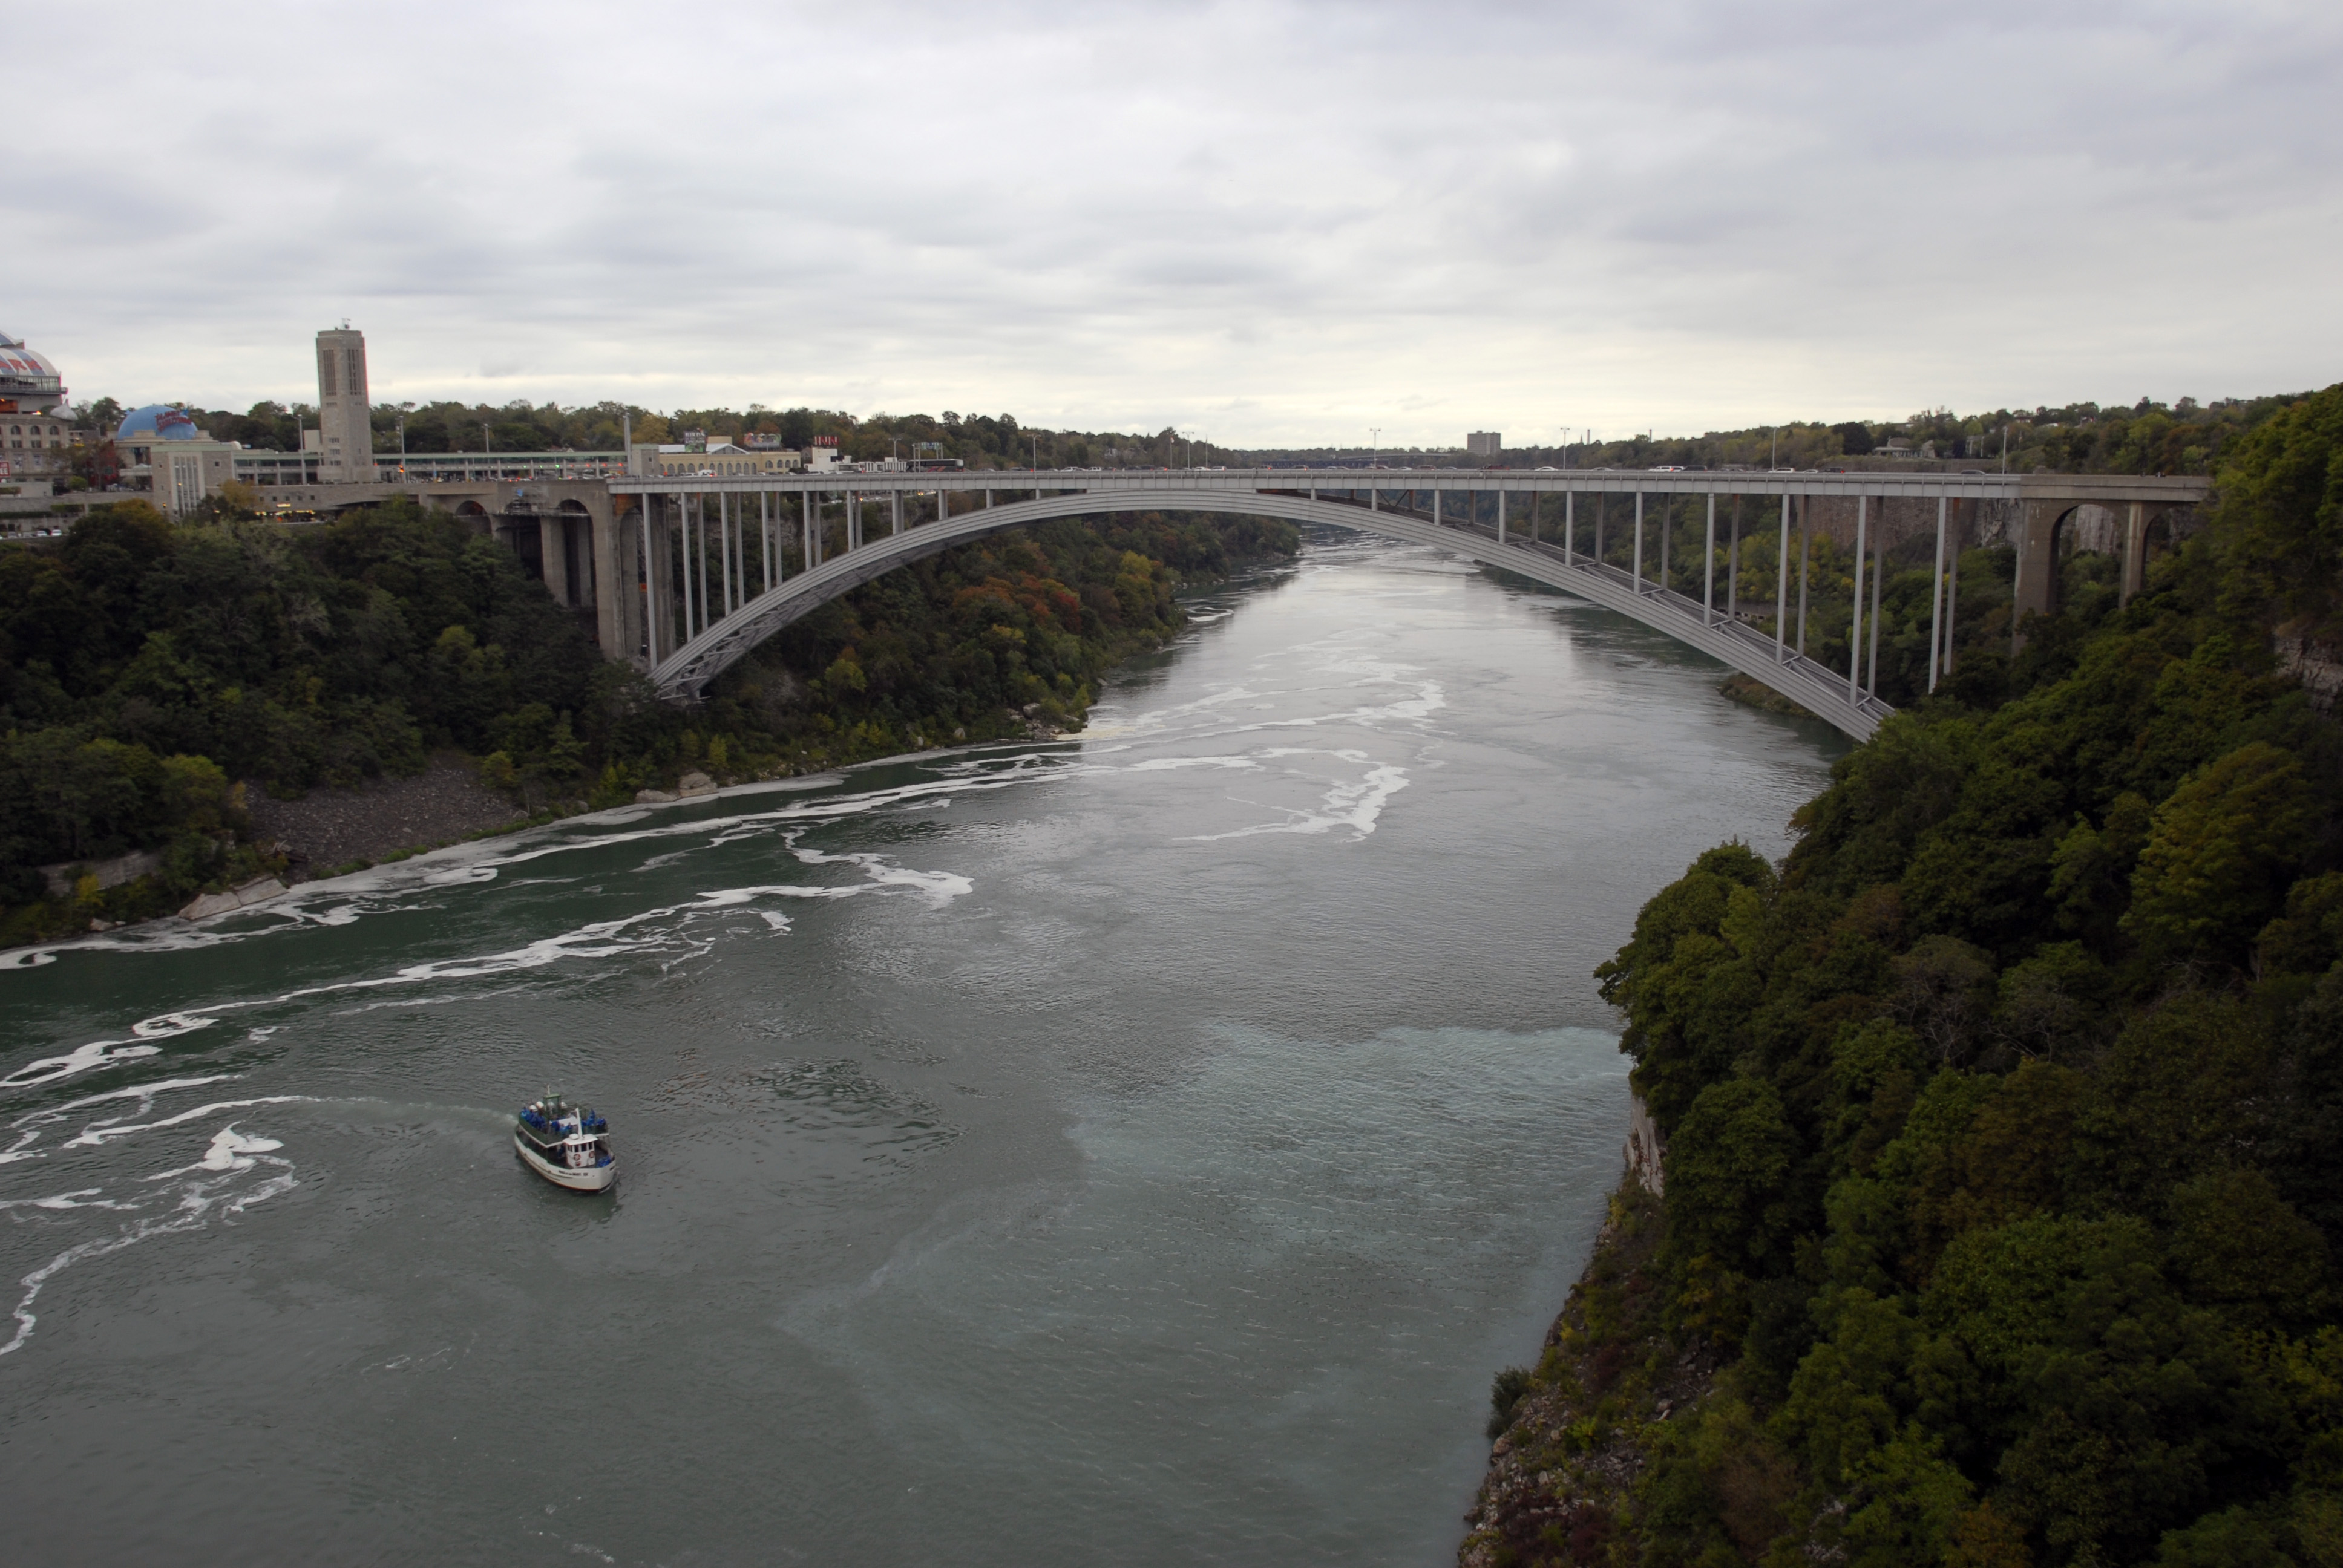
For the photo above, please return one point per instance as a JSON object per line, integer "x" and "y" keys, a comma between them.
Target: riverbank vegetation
{"x": 152, "y": 675}
{"x": 2003, "y": 1187}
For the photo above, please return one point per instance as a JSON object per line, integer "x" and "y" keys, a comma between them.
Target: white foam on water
{"x": 940, "y": 888}
{"x": 62, "y": 1201}
{"x": 230, "y": 1150}
{"x": 665, "y": 929}
{"x": 100, "y": 1053}
{"x": 97, "y": 1053}
{"x": 144, "y": 1093}
{"x": 1355, "y": 806}
{"x": 219, "y": 1183}
{"x": 31, "y": 1125}
{"x": 98, "y": 1134}
{"x": 388, "y": 889}
{"x": 1175, "y": 764}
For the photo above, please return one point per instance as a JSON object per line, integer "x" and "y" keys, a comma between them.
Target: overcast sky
{"x": 1266, "y": 223}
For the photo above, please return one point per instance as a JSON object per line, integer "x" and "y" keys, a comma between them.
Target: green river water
{"x": 1136, "y": 1148}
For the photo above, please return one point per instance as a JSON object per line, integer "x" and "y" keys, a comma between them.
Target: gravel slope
{"x": 327, "y": 829}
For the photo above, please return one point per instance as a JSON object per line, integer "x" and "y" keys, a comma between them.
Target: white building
{"x": 179, "y": 463}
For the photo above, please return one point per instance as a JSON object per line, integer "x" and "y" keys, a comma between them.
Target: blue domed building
{"x": 157, "y": 422}
{"x": 178, "y": 459}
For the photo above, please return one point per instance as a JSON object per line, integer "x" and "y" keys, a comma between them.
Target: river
{"x": 1139, "y": 1148}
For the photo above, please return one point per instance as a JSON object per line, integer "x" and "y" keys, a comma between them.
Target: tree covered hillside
{"x": 2004, "y": 1120}
{"x": 147, "y": 669}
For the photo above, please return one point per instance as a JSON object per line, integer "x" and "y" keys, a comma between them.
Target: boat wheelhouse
{"x": 568, "y": 1145}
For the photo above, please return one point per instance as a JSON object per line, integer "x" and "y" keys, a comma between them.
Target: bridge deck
{"x": 1201, "y": 484}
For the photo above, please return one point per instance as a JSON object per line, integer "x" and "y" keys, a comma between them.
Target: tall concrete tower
{"x": 343, "y": 422}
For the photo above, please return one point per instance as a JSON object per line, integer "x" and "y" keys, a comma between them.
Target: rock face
{"x": 654, "y": 797}
{"x": 64, "y": 878}
{"x": 254, "y": 892}
{"x": 1581, "y": 1427}
{"x": 1646, "y": 1149}
{"x": 692, "y": 784}
{"x": 2311, "y": 663}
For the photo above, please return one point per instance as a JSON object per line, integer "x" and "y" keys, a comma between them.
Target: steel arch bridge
{"x": 716, "y": 615}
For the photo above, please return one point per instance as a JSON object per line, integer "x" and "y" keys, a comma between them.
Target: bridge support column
{"x": 658, "y": 607}
{"x": 1667, "y": 537}
{"x": 898, "y": 521}
{"x": 1879, "y": 576}
{"x": 1781, "y": 585}
{"x": 1952, "y": 602}
{"x": 1854, "y": 627}
{"x": 1639, "y": 541}
{"x": 688, "y": 518}
{"x": 1569, "y": 523}
{"x": 1501, "y": 517}
{"x": 1937, "y": 598}
{"x": 1708, "y": 569}
{"x": 1733, "y": 567}
{"x": 646, "y": 598}
{"x": 700, "y": 578}
{"x": 553, "y": 555}
{"x": 618, "y": 638}
{"x": 1805, "y": 564}
{"x": 2036, "y": 591}
{"x": 2134, "y": 553}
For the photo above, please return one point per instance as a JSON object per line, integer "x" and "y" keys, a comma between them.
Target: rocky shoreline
{"x": 1575, "y": 1433}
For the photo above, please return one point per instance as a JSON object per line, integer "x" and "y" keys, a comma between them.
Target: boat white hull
{"x": 593, "y": 1179}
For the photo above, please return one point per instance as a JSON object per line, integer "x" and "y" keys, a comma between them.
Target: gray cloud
{"x": 1268, "y": 222}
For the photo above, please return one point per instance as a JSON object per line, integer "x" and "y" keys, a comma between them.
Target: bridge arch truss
{"x": 714, "y": 613}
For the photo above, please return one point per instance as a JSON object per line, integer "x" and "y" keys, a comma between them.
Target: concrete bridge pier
{"x": 2043, "y": 522}
{"x": 618, "y": 604}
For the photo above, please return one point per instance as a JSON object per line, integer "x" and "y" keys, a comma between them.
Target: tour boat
{"x": 567, "y": 1144}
